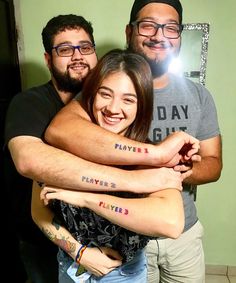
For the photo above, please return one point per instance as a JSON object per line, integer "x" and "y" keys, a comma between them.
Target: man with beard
{"x": 69, "y": 55}
{"x": 154, "y": 31}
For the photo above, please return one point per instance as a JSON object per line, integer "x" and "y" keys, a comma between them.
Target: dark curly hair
{"x": 61, "y": 23}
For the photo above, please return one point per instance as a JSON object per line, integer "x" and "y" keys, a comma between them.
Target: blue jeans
{"x": 40, "y": 263}
{"x": 133, "y": 271}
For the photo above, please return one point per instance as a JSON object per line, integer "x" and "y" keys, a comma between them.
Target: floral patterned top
{"x": 91, "y": 229}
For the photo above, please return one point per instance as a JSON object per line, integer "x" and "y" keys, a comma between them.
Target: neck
{"x": 161, "y": 81}
{"x": 65, "y": 96}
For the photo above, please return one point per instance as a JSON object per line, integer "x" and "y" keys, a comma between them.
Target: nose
{"x": 77, "y": 54}
{"x": 113, "y": 106}
{"x": 159, "y": 34}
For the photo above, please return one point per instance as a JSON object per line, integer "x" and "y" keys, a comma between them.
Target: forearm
{"x": 39, "y": 161}
{"x": 209, "y": 168}
{"x": 44, "y": 218}
{"x": 206, "y": 171}
{"x": 159, "y": 214}
{"x": 71, "y": 132}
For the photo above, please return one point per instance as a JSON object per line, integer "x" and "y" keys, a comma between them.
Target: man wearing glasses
{"x": 69, "y": 55}
{"x": 154, "y": 30}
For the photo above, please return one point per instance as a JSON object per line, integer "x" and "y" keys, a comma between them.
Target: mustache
{"x": 155, "y": 43}
{"x": 76, "y": 64}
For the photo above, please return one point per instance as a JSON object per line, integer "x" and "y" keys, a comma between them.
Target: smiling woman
{"x": 121, "y": 95}
{"x": 115, "y": 104}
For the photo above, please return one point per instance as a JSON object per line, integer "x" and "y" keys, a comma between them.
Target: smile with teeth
{"x": 78, "y": 67}
{"x": 111, "y": 120}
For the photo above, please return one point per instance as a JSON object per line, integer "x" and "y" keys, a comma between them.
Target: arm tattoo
{"x": 98, "y": 182}
{"x": 63, "y": 243}
{"x": 131, "y": 148}
{"x": 114, "y": 208}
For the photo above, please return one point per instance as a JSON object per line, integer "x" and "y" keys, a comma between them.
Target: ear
{"x": 128, "y": 32}
{"x": 47, "y": 59}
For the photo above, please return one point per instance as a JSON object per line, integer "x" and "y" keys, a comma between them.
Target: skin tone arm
{"x": 209, "y": 169}
{"x": 45, "y": 163}
{"x": 158, "y": 214}
{"x": 106, "y": 260}
{"x": 71, "y": 125}
{"x": 75, "y": 123}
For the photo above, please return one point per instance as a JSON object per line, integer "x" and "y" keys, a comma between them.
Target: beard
{"x": 158, "y": 67}
{"x": 65, "y": 82}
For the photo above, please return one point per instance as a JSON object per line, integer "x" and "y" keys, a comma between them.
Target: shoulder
{"x": 42, "y": 93}
{"x": 190, "y": 88}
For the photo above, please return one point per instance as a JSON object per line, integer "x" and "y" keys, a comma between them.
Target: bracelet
{"x": 80, "y": 253}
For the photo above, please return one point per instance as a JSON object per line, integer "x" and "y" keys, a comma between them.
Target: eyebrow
{"x": 155, "y": 20}
{"x": 70, "y": 43}
{"x": 111, "y": 90}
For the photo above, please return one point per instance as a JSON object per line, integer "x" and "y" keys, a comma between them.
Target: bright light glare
{"x": 176, "y": 67}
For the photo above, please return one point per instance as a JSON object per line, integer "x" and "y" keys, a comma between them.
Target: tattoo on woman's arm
{"x": 63, "y": 243}
{"x": 124, "y": 147}
{"x": 114, "y": 208}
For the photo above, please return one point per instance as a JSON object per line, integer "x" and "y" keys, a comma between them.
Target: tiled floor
{"x": 220, "y": 274}
{"x": 211, "y": 278}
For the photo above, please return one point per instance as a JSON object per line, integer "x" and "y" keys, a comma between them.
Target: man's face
{"x": 69, "y": 72}
{"x": 158, "y": 49}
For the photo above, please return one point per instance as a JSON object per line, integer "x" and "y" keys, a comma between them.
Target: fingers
{"x": 186, "y": 174}
{"x": 47, "y": 193}
{"x": 104, "y": 262}
{"x": 182, "y": 168}
{"x": 196, "y": 158}
{"x": 113, "y": 254}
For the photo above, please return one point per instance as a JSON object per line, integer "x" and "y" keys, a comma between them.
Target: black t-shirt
{"x": 29, "y": 113}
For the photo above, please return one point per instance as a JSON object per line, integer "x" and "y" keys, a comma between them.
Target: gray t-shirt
{"x": 184, "y": 106}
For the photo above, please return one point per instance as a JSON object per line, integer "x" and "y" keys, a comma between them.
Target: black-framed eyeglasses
{"x": 67, "y": 50}
{"x": 150, "y": 28}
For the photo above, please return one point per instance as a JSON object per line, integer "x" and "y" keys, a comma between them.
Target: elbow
{"x": 176, "y": 229}
{"x": 51, "y": 135}
{"x": 216, "y": 170}
{"x": 171, "y": 229}
{"x": 216, "y": 176}
{"x": 23, "y": 166}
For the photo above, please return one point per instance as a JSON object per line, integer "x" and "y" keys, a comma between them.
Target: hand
{"x": 186, "y": 168}
{"x": 157, "y": 179}
{"x": 178, "y": 147}
{"x": 100, "y": 263}
{"x": 73, "y": 197}
{"x": 188, "y": 165}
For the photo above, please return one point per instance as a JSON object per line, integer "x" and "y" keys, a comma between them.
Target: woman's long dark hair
{"x": 138, "y": 70}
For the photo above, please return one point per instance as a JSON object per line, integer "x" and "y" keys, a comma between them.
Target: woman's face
{"x": 115, "y": 103}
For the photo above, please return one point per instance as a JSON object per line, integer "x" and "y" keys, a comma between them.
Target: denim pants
{"x": 133, "y": 271}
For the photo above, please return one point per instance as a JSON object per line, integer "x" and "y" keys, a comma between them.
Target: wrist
{"x": 156, "y": 155}
{"x": 79, "y": 254}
